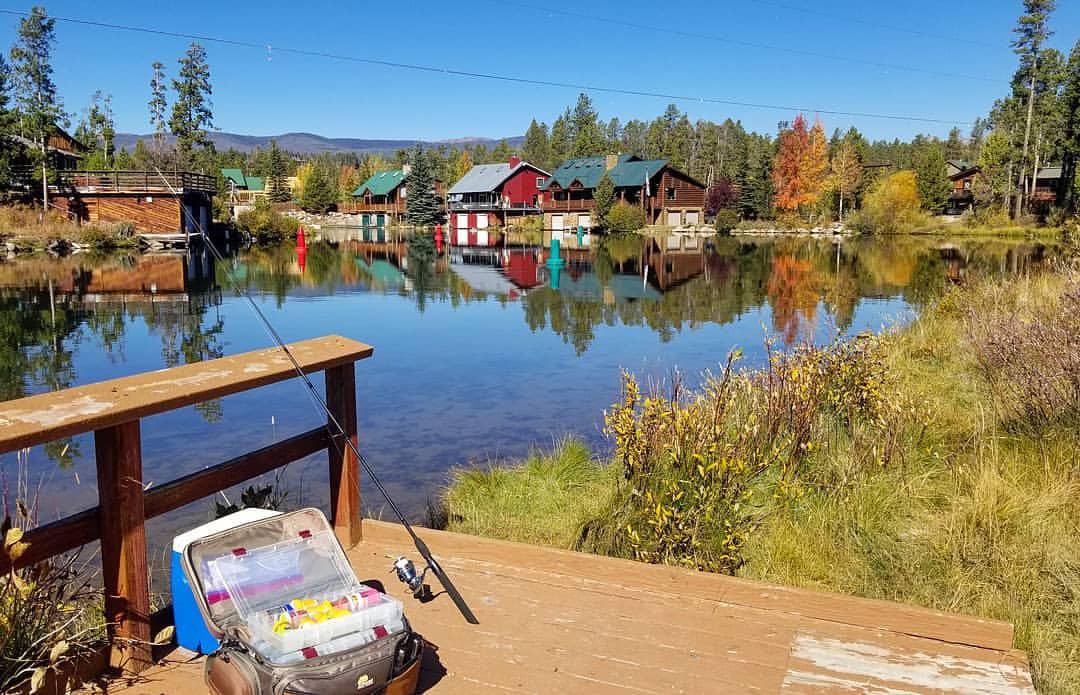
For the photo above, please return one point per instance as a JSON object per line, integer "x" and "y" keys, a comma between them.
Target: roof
{"x": 483, "y": 178}
{"x": 381, "y": 183}
{"x": 236, "y": 176}
{"x": 960, "y": 164}
{"x": 1049, "y": 173}
{"x": 629, "y": 171}
{"x": 255, "y": 183}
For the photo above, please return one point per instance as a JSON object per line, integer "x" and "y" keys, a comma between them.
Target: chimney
{"x": 514, "y": 160}
{"x": 610, "y": 161}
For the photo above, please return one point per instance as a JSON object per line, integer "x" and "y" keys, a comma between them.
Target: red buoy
{"x": 438, "y": 238}
{"x": 301, "y": 243}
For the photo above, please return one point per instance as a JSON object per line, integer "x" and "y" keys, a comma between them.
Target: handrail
{"x": 128, "y": 181}
{"x": 113, "y": 410}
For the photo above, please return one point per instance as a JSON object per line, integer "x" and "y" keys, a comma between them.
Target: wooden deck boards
{"x": 553, "y": 621}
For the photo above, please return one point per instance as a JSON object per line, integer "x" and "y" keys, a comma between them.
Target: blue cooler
{"x": 191, "y": 630}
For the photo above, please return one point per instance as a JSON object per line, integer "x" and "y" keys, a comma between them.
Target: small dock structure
{"x": 551, "y": 621}
{"x": 176, "y": 203}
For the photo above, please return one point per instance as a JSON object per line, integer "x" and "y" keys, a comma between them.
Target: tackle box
{"x": 283, "y": 586}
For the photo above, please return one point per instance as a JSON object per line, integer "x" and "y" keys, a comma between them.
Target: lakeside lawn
{"x": 937, "y": 465}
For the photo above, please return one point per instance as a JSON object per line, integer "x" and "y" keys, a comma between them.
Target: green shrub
{"x": 267, "y": 224}
{"x": 624, "y": 217}
{"x": 726, "y": 219}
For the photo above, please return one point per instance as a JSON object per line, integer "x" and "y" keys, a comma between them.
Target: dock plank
{"x": 45, "y": 417}
{"x": 554, "y": 621}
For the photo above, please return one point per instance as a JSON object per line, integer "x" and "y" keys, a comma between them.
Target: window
{"x": 539, "y": 181}
{"x": 670, "y": 193}
{"x": 967, "y": 184}
{"x": 691, "y": 217}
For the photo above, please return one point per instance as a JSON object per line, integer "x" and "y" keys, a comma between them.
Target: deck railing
{"x": 112, "y": 410}
{"x": 137, "y": 182}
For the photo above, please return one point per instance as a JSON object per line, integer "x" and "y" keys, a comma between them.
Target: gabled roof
{"x": 1049, "y": 173}
{"x": 381, "y": 183}
{"x": 236, "y": 176}
{"x": 483, "y": 178}
{"x": 629, "y": 171}
{"x": 255, "y": 183}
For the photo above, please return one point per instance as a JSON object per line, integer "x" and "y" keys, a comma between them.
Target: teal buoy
{"x": 580, "y": 236}
{"x": 555, "y": 263}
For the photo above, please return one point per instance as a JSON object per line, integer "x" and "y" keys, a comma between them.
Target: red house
{"x": 490, "y": 196}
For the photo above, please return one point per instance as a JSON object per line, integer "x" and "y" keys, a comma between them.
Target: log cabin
{"x": 152, "y": 201}
{"x": 962, "y": 176}
{"x": 667, "y": 196}
{"x": 491, "y": 195}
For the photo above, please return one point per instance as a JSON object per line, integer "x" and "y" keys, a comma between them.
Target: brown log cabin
{"x": 668, "y": 196}
{"x": 962, "y": 176}
{"x": 156, "y": 202}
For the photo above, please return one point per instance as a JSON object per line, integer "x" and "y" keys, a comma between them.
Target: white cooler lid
{"x": 244, "y": 516}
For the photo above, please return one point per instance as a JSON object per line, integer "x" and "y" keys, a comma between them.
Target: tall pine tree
{"x": 931, "y": 177}
{"x": 1032, "y": 32}
{"x": 537, "y": 148}
{"x": 422, "y": 206}
{"x": 588, "y": 136}
{"x": 158, "y": 102}
{"x": 192, "y": 111}
{"x": 40, "y": 108}
{"x": 7, "y": 125}
{"x": 277, "y": 180}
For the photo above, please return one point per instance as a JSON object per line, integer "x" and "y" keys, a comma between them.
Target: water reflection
{"x": 478, "y": 353}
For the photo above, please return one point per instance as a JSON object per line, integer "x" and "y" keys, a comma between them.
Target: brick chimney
{"x": 610, "y": 161}
{"x": 514, "y": 160}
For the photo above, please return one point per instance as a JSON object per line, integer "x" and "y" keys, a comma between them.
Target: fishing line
{"x": 333, "y": 426}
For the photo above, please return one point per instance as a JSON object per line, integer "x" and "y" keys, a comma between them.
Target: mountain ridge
{"x": 311, "y": 143}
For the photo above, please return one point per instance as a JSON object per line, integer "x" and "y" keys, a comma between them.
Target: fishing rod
{"x": 332, "y": 425}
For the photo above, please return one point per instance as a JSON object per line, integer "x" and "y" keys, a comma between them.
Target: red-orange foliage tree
{"x": 801, "y": 165}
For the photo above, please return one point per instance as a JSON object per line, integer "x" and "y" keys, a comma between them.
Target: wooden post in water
{"x": 344, "y": 467}
{"x": 123, "y": 544}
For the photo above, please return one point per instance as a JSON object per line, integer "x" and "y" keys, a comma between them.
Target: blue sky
{"x": 263, "y": 92}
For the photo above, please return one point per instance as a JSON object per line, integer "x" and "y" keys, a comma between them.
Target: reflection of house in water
{"x": 498, "y": 271}
{"x": 187, "y": 277}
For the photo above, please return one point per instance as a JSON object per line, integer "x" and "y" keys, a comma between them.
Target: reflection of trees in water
{"x": 793, "y": 297}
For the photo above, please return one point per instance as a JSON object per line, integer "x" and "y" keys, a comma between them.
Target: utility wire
{"x": 852, "y": 19}
{"x": 739, "y": 42}
{"x": 262, "y": 47}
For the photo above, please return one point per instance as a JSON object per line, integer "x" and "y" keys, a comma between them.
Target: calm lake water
{"x": 476, "y": 360}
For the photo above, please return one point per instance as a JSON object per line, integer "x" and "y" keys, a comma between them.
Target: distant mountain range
{"x": 309, "y": 143}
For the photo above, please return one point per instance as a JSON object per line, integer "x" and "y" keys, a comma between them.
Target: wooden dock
{"x": 553, "y": 621}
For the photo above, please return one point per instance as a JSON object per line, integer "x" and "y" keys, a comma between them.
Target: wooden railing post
{"x": 123, "y": 544}
{"x": 344, "y": 468}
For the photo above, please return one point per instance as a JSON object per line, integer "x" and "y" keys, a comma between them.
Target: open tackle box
{"x": 292, "y": 616}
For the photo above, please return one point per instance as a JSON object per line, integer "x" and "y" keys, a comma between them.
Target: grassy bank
{"x": 939, "y": 465}
{"x": 24, "y": 227}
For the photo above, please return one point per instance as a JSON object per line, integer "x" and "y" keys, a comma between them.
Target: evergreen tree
{"x": 561, "y": 138}
{"x": 955, "y": 145}
{"x": 97, "y": 132}
{"x": 1032, "y": 32}
{"x": 158, "y": 102}
{"x": 502, "y": 152}
{"x": 588, "y": 137}
{"x": 319, "y": 191}
{"x": 278, "y": 185}
{"x": 192, "y": 111}
{"x": 1070, "y": 131}
{"x": 537, "y": 148}
{"x": 7, "y": 125}
{"x": 40, "y": 108}
{"x": 422, "y": 206}
{"x": 604, "y": 196}
{"x": 931, "y": 177}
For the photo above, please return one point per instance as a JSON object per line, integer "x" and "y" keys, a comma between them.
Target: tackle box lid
{"x": 263, "y": 563}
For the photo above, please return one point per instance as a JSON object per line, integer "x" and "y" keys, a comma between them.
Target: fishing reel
{"x": 406, "y": 574}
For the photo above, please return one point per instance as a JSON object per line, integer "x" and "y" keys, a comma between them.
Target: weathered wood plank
{"x": 45, "y": 417}
{"x": 121, "y": 524}
{"x": 344, "y": 466}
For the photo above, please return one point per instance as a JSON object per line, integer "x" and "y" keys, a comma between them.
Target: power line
{"x": 536, "y": 82}
{"x": 850, "y": 19}
{"x": 740, "y": 42}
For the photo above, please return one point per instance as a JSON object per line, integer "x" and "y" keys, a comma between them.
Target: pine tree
{"x": 604, "y": 196}
{"x": 537, "y": 148}
{"x": 319, "y": 191}
{"x": 588, "y": 137}
{"x": 931, "y": 177}
{"x": 502, "y": 152}
{"x": 1070, "y": 132}
{"x": 1032, "y": 33}
{"x": 422, "y": 204}
{"x": 192, "y": 111}
{"x": 7, "y": 125}
{"x": 561, "y": 138}
{"x": 158, "y": 102}
{"x": 278, "y": 185}
{"x": 40, "y": 108}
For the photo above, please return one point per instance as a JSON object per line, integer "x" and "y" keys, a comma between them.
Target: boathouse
{"x": 152, "y": 201}
{"x": 491, "y": 195}
{"x": 668, "y": 196}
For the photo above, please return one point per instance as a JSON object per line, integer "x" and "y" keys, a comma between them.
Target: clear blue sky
{"x": 257, "y": 92}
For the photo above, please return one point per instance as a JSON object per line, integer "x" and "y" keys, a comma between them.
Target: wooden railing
{"x": 362, "y": 206}
{"x": 112, "y": 410}
{"x": 137, "y": 182}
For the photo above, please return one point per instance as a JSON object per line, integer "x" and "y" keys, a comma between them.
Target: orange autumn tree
{"x": 800, "y": 166}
